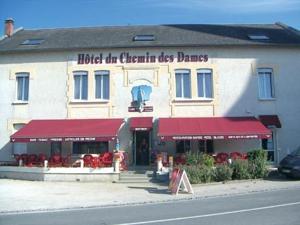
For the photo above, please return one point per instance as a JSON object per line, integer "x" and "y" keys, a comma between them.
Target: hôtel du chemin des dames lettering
{"x": 126, "y": 57}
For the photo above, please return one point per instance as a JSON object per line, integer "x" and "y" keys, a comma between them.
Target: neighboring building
{"x": 177, "y": 87}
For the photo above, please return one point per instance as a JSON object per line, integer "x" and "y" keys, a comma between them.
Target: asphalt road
{"x": 274, "y": 208}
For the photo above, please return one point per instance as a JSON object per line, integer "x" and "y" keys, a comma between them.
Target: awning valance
{"x": 211, "y": 128}
{"x": 141, "y": 123}
{"x": 270, "y": 120}
{"x": 68, "y": 130}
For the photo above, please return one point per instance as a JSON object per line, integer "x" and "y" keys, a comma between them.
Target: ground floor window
{"x": 206, "y": 146}
{"x": 55, "y": 148}
{"x": 90, "y": 147}
{"x": 183, "y": 146}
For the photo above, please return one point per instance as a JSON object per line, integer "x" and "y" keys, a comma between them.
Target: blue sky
{"x": 32, "y": 14}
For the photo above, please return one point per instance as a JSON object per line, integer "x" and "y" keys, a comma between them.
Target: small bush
{"x": 207, "y": 160}
{"x": 196, "y": 158}
{"x": 193, "y": 174}
{"x": 193, "y": 158}
{"x": 240, "y": 169}
{"x": 258, "y": 163}
{"x": 223, "y": 172}
{"x": 199, "y": 173}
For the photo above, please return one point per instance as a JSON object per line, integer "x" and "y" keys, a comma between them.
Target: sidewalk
{"x": 21, "y": 196}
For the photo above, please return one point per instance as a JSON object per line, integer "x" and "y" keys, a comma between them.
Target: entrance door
{"x": 270, "y": 146}
{"x": 142, "y": 148}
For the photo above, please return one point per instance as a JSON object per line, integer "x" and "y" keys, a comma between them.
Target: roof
{"x": 203, "y": 128}
{"x": 68, "y": 130}
{"x": 164, "y": 36}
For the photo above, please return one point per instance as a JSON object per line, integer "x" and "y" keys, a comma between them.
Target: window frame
{"x": 102, "y": 73}
{"x": 81, "y": 73}
{"x": 22, "y": 75}
{"x": 262, "y": 94}
{"x": 187, "y": 144}
{"x": 205, "y": 71}
{"x": 182, "y": 73}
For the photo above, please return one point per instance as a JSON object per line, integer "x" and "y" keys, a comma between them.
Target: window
{"x": 102, "y": 85}
{"x": 32, "y": 42}
{"x": 144, "y": 37}
{"x": 183, "y": 146}
{"x": 80, "y": 85}
{"x": 183, "y": 83}
{"x": 22, "y": 86}
{"x": 265, "y": 82}
{"x": 55, "y": 148}
{"x": 206, "y": 146}
{"x": 90, "y": 147}
{"x": 204, "y": 81}
{"x": 258, "y": 37}
{"x": 269, "y": 146}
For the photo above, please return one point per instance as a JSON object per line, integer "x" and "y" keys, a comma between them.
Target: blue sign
{"x": 140, "y": 94}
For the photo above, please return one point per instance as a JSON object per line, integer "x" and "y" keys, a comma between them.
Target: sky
{"x": 35, "y": 14}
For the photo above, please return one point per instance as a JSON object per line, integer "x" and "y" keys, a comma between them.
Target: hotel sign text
{"x": 126, "y": 57}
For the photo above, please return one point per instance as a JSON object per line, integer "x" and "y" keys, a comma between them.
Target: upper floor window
{"x": 265, "y": 83}
{"x": 102, "y": 84}
{"x": 205, "y": 85}
{"x": 183, "y": 83}
{"x": 22, "y": 86}
{"x": 81, "y": 85}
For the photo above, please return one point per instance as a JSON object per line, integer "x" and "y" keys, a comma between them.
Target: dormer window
{"x": 258, "y": 37}
{"x": 144, "y": 37}
{"x": 32, "y": 42}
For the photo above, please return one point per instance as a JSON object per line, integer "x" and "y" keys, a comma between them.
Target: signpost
{"x": 180, "y": 181}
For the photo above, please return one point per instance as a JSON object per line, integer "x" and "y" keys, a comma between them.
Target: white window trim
{"x": 21, "y": 101}
{"x": 102, "y": 73}
{"x": 186, "y": 72}
{"x": 205, "y": 71}
{"x": 80, "y": 73}
{"x": 260, "y": 72}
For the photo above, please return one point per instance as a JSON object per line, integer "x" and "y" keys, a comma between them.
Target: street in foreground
{"x": 272, "y": 207}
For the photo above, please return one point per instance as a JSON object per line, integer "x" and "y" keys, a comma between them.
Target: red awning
{"x": 270, "y": 120}
{"x": 68, "y": 130}
{"x": 212, "y": 128}
{"x": 141, "y": 123}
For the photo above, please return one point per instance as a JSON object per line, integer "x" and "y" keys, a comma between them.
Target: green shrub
{"x": 258, "y": 163}
{"x": 207, "y": 160}
{"x": 199, "y": 173}
{"x": 196, "y": 158}
{"x": 193, "y": 158}
{"x": 193, "y": 174}
{"x": 223, "y": 172}
{"x": 240, "y": 169}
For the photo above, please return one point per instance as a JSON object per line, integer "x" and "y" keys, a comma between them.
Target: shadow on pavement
{"x": 152, "y": 190}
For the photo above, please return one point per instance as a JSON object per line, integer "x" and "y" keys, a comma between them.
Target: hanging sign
{"x": 180, "y": 181}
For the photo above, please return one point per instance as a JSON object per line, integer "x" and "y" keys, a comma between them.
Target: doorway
{"x": 142, "y": 148}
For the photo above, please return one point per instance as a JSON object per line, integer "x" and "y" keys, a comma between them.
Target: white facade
{"x": 235, "y": 92}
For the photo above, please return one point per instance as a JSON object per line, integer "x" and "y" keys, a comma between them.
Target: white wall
{"x": 236, "y": 90}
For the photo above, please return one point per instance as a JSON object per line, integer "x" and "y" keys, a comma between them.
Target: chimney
{"x": 9, "y": 27}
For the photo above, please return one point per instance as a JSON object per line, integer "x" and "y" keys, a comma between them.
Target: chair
{"x": 107, "y": 159}
{"x": 17, "y": 158}
{"x": 55, "y": 160}
{"x": 221, "y": 157}
{"x": 235, "y": 155}
{"x": 41, "y": 158}
{"x": 180, "y": 159}
{"x": 24, "y": 158}
{"x": 32, "y": 160}
{"x": 88, "y": 160}
{"x": 66, "y": 161}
